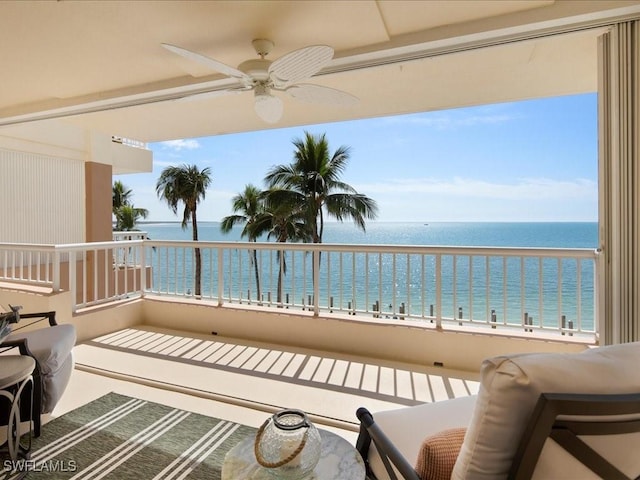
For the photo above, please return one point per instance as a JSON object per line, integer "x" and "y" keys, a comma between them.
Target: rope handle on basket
{"x": 261, "y": 460}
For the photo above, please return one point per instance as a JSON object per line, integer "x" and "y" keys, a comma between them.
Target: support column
{"x": 98, "y": 208}
{"x": 619, "y": 176}
{"x": 98, "y": 202}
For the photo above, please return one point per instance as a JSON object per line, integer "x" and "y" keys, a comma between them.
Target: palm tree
{"x": 283, "y": 219}
{"x": 127, "y": 217}
{"x": 121, "y": 195}
{"x": 313, "y": 180}
{"x": 248, "y": 206}
{"x": 188, "y": 185}
{"x": 126, "y": 214}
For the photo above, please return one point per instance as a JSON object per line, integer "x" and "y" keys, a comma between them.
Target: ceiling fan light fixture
{"x": 268, "y": 107}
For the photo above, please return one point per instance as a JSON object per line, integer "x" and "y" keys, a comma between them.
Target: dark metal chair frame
{"x": 561, "y": 417}
{"x": 23, "y": 348}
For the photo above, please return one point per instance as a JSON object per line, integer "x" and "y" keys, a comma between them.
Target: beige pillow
{"x": 510, "y": 387}
{"x": 438, "y": 454}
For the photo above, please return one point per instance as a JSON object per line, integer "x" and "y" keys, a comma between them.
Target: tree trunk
{"x": 257, "y": 274}
{"x": 198, "y": 266}
{"x": 281, "y": 264}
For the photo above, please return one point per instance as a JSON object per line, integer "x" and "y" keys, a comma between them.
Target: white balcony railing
{"x": 531, "y": 290}
{"x": 130, "y": 235}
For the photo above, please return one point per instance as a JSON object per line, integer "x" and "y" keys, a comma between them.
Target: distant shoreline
{"x": 425, "y": 223}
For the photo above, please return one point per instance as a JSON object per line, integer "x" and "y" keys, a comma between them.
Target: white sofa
{"x": 497, "y": 419}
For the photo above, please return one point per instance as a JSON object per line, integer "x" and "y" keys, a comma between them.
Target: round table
{"x": 15, "y": 375}
{"x": 338, "y": 461}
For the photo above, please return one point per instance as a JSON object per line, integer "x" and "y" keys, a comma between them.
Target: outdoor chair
{"x": 541, "y": 416}
{"x": 50, "y": 347}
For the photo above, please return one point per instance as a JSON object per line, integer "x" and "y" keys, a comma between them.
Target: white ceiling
{"x": 71, "y": 57}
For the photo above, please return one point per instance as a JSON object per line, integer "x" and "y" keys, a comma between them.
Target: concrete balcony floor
{"x": 246, "y": 381}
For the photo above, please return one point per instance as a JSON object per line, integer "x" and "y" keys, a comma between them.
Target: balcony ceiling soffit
{"x": 61, "y": 56}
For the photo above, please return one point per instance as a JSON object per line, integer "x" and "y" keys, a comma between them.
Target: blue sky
{"x": 534, "y": 160}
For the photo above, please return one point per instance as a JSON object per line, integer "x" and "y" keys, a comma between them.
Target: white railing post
{"x": 598, "y": 298}
{"x": 56, "y": 272}
{"x": 220, "y": 276}
{"x": 72, "y": 281}
{"x": 143, "y": 268}
{"x": 439, "y": 291}
{"x": 316, "y": 282}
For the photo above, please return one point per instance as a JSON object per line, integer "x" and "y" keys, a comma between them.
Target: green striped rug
{"x": 119, "y": 437}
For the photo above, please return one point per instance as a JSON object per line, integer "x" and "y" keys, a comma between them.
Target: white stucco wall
{"x": 41, "y": 198}
{"x": 42, "y": 179}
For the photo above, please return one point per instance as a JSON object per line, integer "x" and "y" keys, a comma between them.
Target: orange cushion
{"x": 438, "y": 454}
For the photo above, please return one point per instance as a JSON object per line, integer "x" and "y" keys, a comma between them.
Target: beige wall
{"x": 399, "y": 342}
{"x": 89, "y": 324}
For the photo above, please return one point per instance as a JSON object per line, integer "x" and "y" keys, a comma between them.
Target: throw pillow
{"x": 438, "y": 454}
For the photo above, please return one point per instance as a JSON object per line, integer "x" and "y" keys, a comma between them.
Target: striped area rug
{"x": 119, "y": 437}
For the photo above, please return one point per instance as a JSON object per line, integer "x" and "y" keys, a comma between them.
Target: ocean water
{"x": 509, "y": 287}
{"x": 469, "y": 234}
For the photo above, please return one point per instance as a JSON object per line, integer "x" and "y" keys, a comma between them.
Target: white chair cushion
{"x": 510, "y": 387}
{"x": 408, "y": 427}
{"x": 50, "y": 345}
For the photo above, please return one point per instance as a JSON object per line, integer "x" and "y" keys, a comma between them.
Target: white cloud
{"x": 522, "y": 189}
{"x": 181, "y": 144}
{"x": 162, "y": 163}
{"x": 451, "y": 120}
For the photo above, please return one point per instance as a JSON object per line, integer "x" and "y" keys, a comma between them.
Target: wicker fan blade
{"x": 209, "y": 62}
{"x": 300, "y": 64}
{"x": 306, "y": 92}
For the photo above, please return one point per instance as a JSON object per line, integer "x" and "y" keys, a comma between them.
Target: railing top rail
{"x": 68, "y": 247}
{"x": 382, "y": 248}
{"x": 27, "y": 246}
{"x": 135, "y": 233}
{"x": 585, "y": 253}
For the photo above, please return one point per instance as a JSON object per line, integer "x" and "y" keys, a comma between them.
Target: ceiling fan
{"x": 282, "y": 75}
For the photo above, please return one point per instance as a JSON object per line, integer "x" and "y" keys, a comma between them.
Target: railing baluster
{"x": 379, "y": 300}
{"x": 394, "y": 282}
{"x": 579, "y": 294}
{"x": 540, "y": 292}
{"x": 487, "y": 280}
{"x": 407, "y": 311}
{"x": 316, "y": 282}
{"x": 470, "y": 288}
{"x": 83, "y": 263}
{"x": 354, "y": 292}
{"x": 293, "y": 279}
{"x": 366, "y": 284}
{"x": 559, "y": 286}
{"x": 56, "y": 273}
{"x": 340, "y": 280}
{"x": 505, "y": 289}
{"x": 439, "y": 291}
{"x": 73, "y": 288}
{"x": 423, "y": 282}
{"x": 522, "y": 289}
{"x": 107, "y": 267}
{"x": 455, "y": 287}
{"x": 304, "y": 279}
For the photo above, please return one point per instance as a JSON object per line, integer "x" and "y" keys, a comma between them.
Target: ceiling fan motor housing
{"x": 258, "y": 68}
